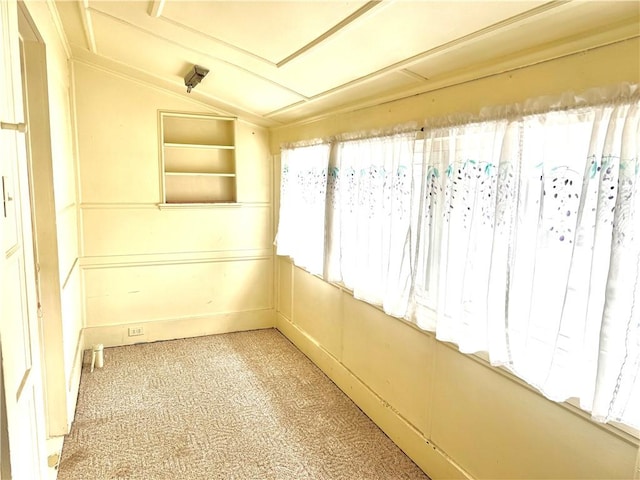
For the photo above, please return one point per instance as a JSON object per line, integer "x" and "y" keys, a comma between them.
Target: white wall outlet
{"x": 135, "y": 331}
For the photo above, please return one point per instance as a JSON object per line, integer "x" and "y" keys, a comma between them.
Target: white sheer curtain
{"x": 517, "y": 236}
{"x": 455, "y": 235}
{"x": 303, "y": 191}
{"x": 529, "y": 248}
{"x": 368, "y": 219}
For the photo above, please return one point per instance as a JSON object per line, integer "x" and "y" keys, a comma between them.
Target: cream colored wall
{"x": 176, "y": 272}
{"x": 62, "y": 323}
{"x": 453, "y": 414}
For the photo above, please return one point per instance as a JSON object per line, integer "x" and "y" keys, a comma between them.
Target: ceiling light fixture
{"x": 194, "y": 77}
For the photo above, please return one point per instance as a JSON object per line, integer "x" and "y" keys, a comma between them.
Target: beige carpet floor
{"x": 236, "y": 406}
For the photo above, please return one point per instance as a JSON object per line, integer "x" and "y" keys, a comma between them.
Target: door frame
{"x": 43, "y": 219}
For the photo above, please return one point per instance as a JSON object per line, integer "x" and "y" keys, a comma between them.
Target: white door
{"x": 19, "y": 323}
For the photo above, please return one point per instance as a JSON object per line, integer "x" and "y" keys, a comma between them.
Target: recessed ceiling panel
{"x": 371, "y": 90}
{"x": 566, "y": 23}
{"x": 338, "y": 54}
{"x": 271, "y": 30}
{"x": 136, "y": 15}
{"x": 168, "y": 61}
{"x": 391, "y": 34}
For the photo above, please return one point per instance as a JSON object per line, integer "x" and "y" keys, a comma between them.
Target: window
{"x": 369, "y": 216}
{"x": 519, "y": 237}
{"x": 303, "y": 189}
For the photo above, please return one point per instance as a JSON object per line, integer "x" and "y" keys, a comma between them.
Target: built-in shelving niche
{"x": 198, "y": 161}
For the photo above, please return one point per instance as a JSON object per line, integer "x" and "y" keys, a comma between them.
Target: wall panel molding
{"x": 481, "y": 421}
{"x": 155, "y": 205}
{"x": 121, "y": 261}
{"x": 132, "y": 293}
{"x": 149, "y": 231}
{"x": 185, "y": 327}
{"x": 428, "y": 456}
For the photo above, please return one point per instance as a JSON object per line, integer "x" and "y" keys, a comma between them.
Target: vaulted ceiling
{"x": 277, "y": 62}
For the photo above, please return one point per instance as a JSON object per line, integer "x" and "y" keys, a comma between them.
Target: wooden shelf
{"x": 197, "y": 159}
{"x": 201, "y": 174}
{"x": 195, "y": 145}
{"x": 178, "y": 206}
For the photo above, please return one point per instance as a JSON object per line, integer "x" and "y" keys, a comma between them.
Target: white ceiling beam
{"x": 156, "y": 8}
{"x": 205, "y": 53}
{"x": 332, "y": 31}
{"x": 55, "y": 16}
{"x": 411, "y": 74}
{"x": 87, "y": 23}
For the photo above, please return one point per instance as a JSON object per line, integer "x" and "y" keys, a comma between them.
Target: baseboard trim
{"x": 170, "y": 329}
{"x": 431, "y": 459}
{"x": 73, "y": 382}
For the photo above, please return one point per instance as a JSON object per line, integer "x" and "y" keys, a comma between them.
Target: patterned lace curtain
{"x": 528, "y": 235}
{"x": 303, "y": 191}
{"x": 368, "y": 219}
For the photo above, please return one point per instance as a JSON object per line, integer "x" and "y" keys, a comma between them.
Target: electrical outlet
{"x": 135, "y": 331}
